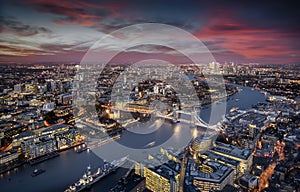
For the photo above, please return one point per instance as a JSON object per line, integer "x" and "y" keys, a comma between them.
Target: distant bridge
{"x": 131, "y": 108}
{"x": 174, "y": 116}
{"x": 195, "y": 119}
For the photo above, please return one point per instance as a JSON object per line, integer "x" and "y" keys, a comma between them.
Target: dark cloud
{"x": 236, "y": 29}
{"x": 51, "y": 47}
{"x": 74, "y": 12}
{"x": 189, "y": 15}
{"x": 11, "y": 25}
{"x": 270, "y": 15}
{"x": 227, "y": 27}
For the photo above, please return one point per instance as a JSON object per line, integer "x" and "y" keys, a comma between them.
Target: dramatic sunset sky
{"x": 62, "y": 31}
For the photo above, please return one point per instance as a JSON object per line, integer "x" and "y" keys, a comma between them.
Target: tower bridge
{"x": 194, "y": 120}
{"x": 174, "y": 116}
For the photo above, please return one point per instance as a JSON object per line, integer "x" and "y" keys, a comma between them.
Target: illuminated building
{"x": 36, "y": 124}
{"x": 35, "y": 147}
{"x": 35, "y": 103}
{"x": 253, "y": 130}
{"x": 49, "y": 106}
{"x": 55, "y": 129}
{"x": 275, "y": 98}
{"x": 1, "y": 137}
{"x": 18, "y": 88}
{"x": 66, "y": 138}
{"x": 156, "y": 89}
{"x": 139, "y": 169}
{"x": 234, "y": 164}
{"x": 65, "y": 99}
{"x": 210, "y": 171}
{"x": 211, "y": 175}
{"x": 161, "y": 179}
{"x": 170, "y": 155}
{"x": 13, "y": 130}
{"x": 161, "y": 171}
{"x": 62, "y": 111}
{"x": 30, "y": 87}
{"x": 21, "y": 137}
{"x": 248, "y": 181}
{"x": 9, "y": 156}
{"x": 242, "y": 155}
{"x": 201, "y": 143}
{"x": 213, "y": 67}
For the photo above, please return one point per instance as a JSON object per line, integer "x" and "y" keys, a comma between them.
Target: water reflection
{"x": 70, "y": 165}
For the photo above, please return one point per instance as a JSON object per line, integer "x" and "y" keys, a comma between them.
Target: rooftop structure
{"x": 231, "y": 151}
{"x": 242, "y": 155}
{"x": 211, "y": 175}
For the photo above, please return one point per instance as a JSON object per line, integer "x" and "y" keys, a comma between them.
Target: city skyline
{"x": 253, "y": 32}
{"x": 149, "y": 96}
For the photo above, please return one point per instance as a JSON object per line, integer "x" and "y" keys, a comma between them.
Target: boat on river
{"x": 89, "y": 178}
{"x": 37, "y": 172}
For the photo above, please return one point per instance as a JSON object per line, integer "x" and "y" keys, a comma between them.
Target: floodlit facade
{"x": 242, "y": 155}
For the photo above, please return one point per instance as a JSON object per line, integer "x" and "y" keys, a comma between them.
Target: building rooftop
{"x": 55, "y": 127}
{"x": 131, "y": 183}
{"x": 165, "y": 171}
{"x": 249, "y": 177}
{"x": 221, "y": 158}
{"x": 25, "y": 134}
{"x": 231, "y": 150}
{"x": 217, "y": 175}
{"x": 229, "y": 188}
{"x": 4, "y": 154}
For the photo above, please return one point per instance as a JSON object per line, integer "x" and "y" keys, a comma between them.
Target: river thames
{"x": 69, "y": 166}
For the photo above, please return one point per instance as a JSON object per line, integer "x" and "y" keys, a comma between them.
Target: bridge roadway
{"x": 195, "y": 119}
{"x": 140, "y": 109}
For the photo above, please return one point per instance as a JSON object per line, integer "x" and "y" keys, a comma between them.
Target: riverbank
{"x": 70, "y": 165}
{"x": 8, "y": 167}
